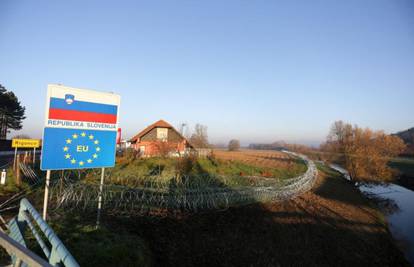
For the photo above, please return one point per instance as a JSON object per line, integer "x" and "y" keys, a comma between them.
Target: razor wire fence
{"x": 122, "y": 199}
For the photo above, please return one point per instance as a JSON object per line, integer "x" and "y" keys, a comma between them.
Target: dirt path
{"x": 333, "y": 225}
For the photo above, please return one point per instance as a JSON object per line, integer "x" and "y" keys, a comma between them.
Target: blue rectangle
{"x": 60, "y": 103}
{"x": 77, "y": 149}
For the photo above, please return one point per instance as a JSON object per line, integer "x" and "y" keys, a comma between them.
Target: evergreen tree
{"x": 11, "y": 112}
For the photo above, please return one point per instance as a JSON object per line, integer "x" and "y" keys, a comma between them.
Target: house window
{"x": 162, "y": 133}
{"x": 142, "y": 150}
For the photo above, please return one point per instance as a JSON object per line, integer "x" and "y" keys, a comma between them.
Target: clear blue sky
{"x": 259, "y": 71}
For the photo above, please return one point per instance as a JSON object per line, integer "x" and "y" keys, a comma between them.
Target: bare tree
{"x": 164, "y": 149}
{"x": 199, "y": 138}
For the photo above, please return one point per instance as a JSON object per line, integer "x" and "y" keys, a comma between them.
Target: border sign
{"x": 25, "y": 143}
{"x": 80, "y": 129}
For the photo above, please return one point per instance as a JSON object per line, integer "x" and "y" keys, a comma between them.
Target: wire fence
{"x": 33, "y": 181}
{"x": 6, "y": 165}
{"x": 122, "y": 199}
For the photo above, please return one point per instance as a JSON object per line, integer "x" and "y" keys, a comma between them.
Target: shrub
{"x": 185, "y": 165}
{"x": 234, "y": 145}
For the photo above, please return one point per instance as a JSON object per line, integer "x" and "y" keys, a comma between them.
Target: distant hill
{"x": 407, "y": 136}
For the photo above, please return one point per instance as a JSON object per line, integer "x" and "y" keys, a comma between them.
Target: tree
{"x": 11, "y": 112}
{"x": 234, "y": 145}
{"x": 365, "y": 153}
{"x": 199, "y": 138}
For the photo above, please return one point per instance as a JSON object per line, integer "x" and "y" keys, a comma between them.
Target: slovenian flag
{"x": 72, "y": 109}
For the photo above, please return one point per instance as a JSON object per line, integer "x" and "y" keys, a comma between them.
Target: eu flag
{"x": 78, "y": 149}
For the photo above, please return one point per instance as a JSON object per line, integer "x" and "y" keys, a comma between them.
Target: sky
{"x": 258, "y": 71}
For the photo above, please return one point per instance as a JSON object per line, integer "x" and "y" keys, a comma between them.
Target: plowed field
{"x": 267, "y": 159}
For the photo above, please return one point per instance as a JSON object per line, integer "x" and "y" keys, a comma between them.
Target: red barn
{"x": 160, "y": 138}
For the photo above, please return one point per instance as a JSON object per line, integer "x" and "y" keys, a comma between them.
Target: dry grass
{"x": 260, "y": 158}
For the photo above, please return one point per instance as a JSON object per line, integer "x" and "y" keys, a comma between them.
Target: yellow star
{"x": 67, "y": 156}
{"x": 73, "y": 161}
{"x": 83, "y": 134}
{"x": 80, "y": 163}
{"x": 94, "y": 156}
{"x": 68, "y": 141}
{"x": 75, "y": 136}
{"x": 98, "y": 149}
{"x": 91, "y": 136}
{"x": 89, "y": 161}
{"x": 96, "y": 142}
{"x": 65, "y": 148}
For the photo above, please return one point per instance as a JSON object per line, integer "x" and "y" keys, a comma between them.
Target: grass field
{"x": 404, "y": 165}
{"x": 405, "y": 168}
{"x": 10, "y": 187}
{"x": 332, "y": 225}
{"x": 100, "y": 247}
{"x": 222, "y": 169}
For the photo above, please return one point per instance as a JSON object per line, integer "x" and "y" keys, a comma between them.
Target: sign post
{"x": 98, "y": 217}
{"x": 23, "y": 143}
{"x": 80, "y": 131}
{"x": 46, "y": 198}
{"x": 14, "y": 160}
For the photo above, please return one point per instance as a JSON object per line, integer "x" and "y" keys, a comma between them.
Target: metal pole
{"x": 34, "y": 156}
{"x": 46, "y": 195}
{"x": 98, "y": 218}
{"x": 14, "y": 161}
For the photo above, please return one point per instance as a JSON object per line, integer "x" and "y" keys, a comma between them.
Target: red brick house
{"x": 160, "y": 138}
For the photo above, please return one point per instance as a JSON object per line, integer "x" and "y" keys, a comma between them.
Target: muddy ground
{"x": 333, "y": 225}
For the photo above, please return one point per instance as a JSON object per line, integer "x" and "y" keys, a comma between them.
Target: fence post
{"x": 18, "y": 174}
